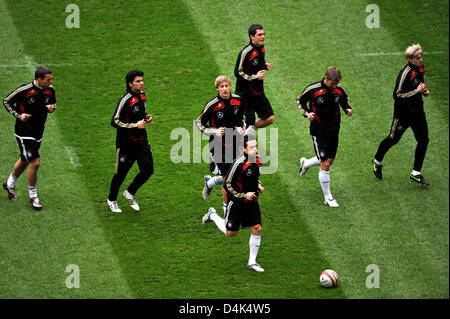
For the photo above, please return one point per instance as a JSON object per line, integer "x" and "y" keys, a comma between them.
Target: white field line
{"x": 73, "y": 157}
{"x": 31, "y": 64}
{"x": 394, "y": 53}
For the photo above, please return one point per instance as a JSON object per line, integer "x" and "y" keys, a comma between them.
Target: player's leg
{"x": 216, "y": 162}
{"x": 420, "y": 130}
{"x": 326, "y": 151}
{"x": 212, "y": 216}
{"x": 124, "y": 161}
{"x": 398, "y": 127}
{"x": 225, "y": 200}
{"x": 265, "y": 113}
{"x": 10, "y": 184}
{"x": 250, "y": 118}
{"x": 324, "y": 179}
{"x": 19, "y": 167}
{"x": 34, "y": 162}
{"x": 306, "y": 163}
{"x": 229, "y": 227}
{"x": 145, "y": 164}
{"x": 254, "y": 218}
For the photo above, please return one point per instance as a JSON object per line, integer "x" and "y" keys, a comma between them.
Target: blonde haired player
{"x": 222, "y": 119}
{"x": 408, "y": 112}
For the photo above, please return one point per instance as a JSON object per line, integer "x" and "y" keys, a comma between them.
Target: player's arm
{"x": 202, "y": 121}
{"x": 231, "y": 178}
{"x": 241, "y": 63}
{"x": 302, "y": 103}
{"x": 118, "y": 120}
{"x": 10, "y": 104}
{"x": 52, "y": 104}
{"x": 402, "y": 83}
{"x": 343, "y": 102}
{"x": 239, "y": 124}
{"x": 260, "y": 187}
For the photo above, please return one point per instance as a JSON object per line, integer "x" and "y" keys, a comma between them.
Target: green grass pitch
{"x": 164, "y": 251}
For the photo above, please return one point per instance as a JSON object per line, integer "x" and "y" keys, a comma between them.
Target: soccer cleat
{"x": 331, "y": 202}
{"x": 131, "y": 199}
{"x": 303, "y": 169}
{"x": 377, "y": 170}
{"x": 206, "y": 190}
{"x": 418, "y": 179}
{"x": 35, "y": 203}
{"x": 255, "y": 267}
{"x": 11, "y": 191}
{"x": 207, "y": 217}
{"x": 113, "y": 206}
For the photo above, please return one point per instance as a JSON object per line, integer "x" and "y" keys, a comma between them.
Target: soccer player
{"x": 324, "y": 98}
{"x": 222, "y": 119}
{"x": 30, "y": 104}
{"x": 242, "y": 186}
{"x": 250, "y": 70}
{"x": 130, "y": 119}
{"x": 408, "y": 112}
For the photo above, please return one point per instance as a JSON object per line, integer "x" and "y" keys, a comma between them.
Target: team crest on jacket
{"x": 249, "y": 172}
{"x": 219, "y": 115}
{"x": 255, "y": 62}
{"x": 320, "y": 100}
{"x": 136, "y": 109}
{"x": 336, "y": 99}
{"x": 31, "y": 100}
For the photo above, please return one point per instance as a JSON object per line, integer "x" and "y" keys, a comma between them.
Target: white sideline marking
{"x": 31, "y": 64}
{"x": 394, "y": 53}
{"x": 73, "y": 158}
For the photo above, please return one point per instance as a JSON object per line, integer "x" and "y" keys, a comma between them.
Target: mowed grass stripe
{"x": 165, "y": 252}
{"x": 366, "y": 226}
{"x": 163, "y": 249}
{"x": 288, "y": 246}
{"x": 36, "y": 247}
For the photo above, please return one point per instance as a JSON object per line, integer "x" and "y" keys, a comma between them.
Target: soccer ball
{"x": 329, "y": 278}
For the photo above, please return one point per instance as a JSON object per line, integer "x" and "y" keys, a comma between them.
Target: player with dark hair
{"x": 408, "y": 112}
{"x": 29, "y": 104}
{"x": 324, "y": 98}
{"x": 242, "y": 186}
{"x": 222, "y": 119}
{"x": 250, "y": 70}
{"x": 130, "y": 119}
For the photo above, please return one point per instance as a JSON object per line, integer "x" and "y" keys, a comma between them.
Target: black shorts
{"x": 326, "y": 146}
{"x": 219, "y": 168}
{"x": 240, "y": 213}
{"x": 222, "y": 157}
{"x": 29, "y": 148}
{"x": 259, "y": 104}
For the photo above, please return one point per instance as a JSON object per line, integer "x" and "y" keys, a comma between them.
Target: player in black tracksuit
{"x": 242, "y": 186}
{"x": 250, "y": 70}
{"x": 325, "y": 99}
{"x": 130, "y": 119}
{"x": 408, "y": 112}
{"x": 30, "y": 104}
{"x": 222, "y": 119}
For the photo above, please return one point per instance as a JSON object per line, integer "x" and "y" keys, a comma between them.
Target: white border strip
{"x": 393, "y": 53}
